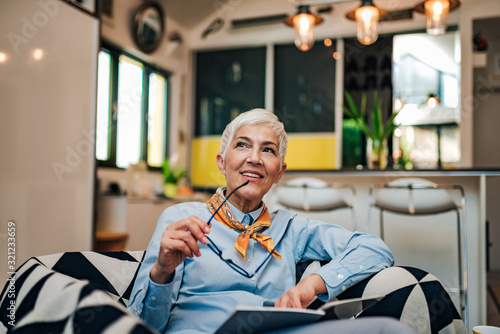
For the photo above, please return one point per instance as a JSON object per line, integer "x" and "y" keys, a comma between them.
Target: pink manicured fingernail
{"x": 207, "y": 229}
{"x": 205, "y": 240}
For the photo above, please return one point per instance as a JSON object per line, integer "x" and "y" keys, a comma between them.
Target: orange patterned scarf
{"x": 226, "y": 216}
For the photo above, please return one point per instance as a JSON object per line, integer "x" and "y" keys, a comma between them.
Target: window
{"x": 304, "y": 90}
{"x": 367, "y": 69}
{"x": 131, "y": 111}
{"x": 228, "y": 83}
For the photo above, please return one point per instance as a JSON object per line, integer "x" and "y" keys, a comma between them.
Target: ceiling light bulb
{"x": 366, "y": 14}
{"x": 436, "y": 14}
{"x": 304, "y": 35}
{"x": 432, "y": 101}
{"x": 303, "y": 23}
{"x": 37, "y": 54}
{"x": 398, "y": 104}
{"x": 367, "y": 17}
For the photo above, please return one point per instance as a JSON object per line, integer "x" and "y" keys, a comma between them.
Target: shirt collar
{"x": 240, "y": 215}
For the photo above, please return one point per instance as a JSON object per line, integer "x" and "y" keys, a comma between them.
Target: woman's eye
{"x": 268, "y": 149}
{"x": 241, "y": 144}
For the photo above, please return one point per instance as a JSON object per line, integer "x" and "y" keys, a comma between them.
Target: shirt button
{"x": 343, "y": 288}
{"x": 361, "y": 266}
{"x": 340, "y": 276}
{"x": 248, "y": 260}
{"x": 153, "y": 298}
{"x": 253, "y": 278}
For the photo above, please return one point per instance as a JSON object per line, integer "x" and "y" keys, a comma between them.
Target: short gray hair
{"x": 252, "y": 117}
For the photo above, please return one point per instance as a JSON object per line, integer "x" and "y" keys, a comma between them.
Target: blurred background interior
{"x": 112, "y": 111}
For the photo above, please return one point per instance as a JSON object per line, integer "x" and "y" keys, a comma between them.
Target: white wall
{"x": 487, "y": 122}
{"x": 46, "y": 128}
{"x": 469, "y": 11}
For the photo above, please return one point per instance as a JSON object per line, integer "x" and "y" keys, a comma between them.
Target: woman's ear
{"x": 280, "y": 174}
{"x": 221, "y": 164}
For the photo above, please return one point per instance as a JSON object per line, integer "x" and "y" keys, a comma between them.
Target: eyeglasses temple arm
{"x": 227, "y": 197}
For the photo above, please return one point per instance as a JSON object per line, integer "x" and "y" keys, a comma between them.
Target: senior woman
{"x": 185, "y": 286}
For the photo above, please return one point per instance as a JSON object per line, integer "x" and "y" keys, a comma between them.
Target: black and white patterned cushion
{"x": 72, "y": 293}
{"x": 114, "y": 272}
{"x": 412, "y": 296}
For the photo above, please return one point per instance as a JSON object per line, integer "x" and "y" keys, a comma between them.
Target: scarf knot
{"x": 226, "y": 217}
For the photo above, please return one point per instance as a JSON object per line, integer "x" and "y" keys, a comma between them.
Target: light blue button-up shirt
{"x": 205, "y": 290}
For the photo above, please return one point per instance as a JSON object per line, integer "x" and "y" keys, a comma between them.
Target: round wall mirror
{"x": 149, "y": 26}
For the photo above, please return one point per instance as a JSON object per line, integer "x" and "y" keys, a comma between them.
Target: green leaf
{"x": 171, "y": 174}
{"x": 348, "y": 112}
{"x": 363, "y": 106}
{"x": 390, "y": 125}
{"x": 377, "y": 119}
{"x": 352, "y": 105}
{"x": 357, "y": 115}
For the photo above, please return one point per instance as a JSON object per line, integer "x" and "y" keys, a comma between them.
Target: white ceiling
{"x": 189, "y": 13}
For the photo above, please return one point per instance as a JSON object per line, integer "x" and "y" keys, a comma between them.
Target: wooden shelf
{"x": 106, "y": 241}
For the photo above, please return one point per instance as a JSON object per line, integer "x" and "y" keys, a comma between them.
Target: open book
{"x": 252, "y": 319}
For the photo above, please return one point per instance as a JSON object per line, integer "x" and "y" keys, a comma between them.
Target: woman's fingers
{"x": 287, "y": 300}
{"x": 179, "y": 241}
{"x": 197, "y": 227}
{"x": 186, "y": 243}
{"x": 296, "y": 297}
{"x": 187, "y": 232}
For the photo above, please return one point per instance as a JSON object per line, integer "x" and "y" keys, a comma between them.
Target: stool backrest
{"x": 310, "y": 194}
{"x": 413, "y": 196}
{"x": 315, "y": 195}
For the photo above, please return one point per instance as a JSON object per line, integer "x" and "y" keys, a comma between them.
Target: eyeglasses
{"x": 218, "y": 252}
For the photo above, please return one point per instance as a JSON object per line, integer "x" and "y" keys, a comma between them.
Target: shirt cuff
{"x": 158, "y": 294}
{"x": 339, "y": 278}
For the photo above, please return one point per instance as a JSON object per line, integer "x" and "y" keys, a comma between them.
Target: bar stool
{"x": 416, "y": 196}
{"x": 311, "y": 194}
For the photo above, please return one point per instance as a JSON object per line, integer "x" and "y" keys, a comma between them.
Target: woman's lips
{"x": 252, "y": 176}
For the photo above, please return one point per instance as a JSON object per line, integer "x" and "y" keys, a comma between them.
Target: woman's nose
{"x": 254, "y": 157}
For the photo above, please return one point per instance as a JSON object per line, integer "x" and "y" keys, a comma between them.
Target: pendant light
{"x": 432, "y": 101}
{"x": 367, "y": 17}
{"x": 303, "y": 23}
{"x": 436, "y": 14}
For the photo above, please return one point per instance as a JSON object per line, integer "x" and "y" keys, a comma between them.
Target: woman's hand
{"x": 303, "y": 293}
{"x": 178, "y": 241}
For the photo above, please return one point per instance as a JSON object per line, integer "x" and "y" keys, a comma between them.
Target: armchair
{"x": 88, "y": 291}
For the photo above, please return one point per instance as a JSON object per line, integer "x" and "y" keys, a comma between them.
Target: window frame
{"x": 148, "y": 69}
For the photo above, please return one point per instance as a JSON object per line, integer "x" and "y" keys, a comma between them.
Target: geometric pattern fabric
{"x": 412, "y": 296}
{"x": 87, "y": 292}
{"x": 47, "y": 298}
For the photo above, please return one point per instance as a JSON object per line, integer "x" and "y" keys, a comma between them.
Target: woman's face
{"x": 253, "y": 156}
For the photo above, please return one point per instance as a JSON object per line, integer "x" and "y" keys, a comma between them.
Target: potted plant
{"x": 171, "y": 177}
{"x": 373, "y": 127}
